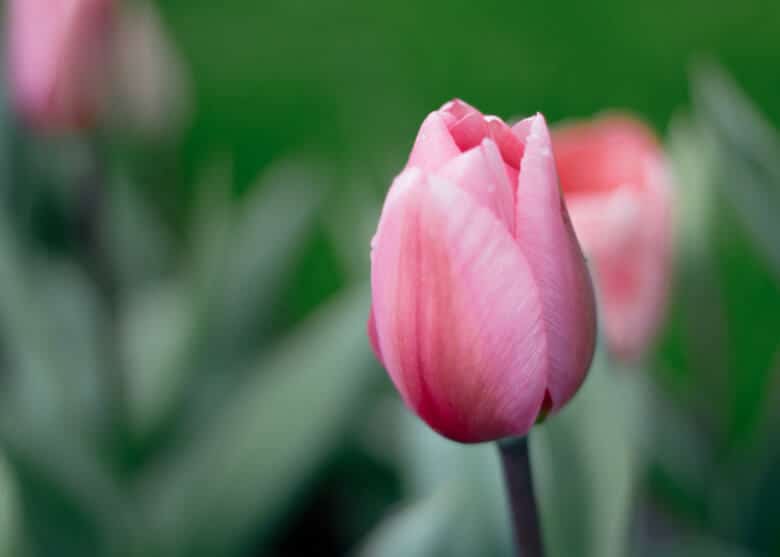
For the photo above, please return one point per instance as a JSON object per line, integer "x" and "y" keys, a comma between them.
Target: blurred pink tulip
{"x": 56, "y": 49}
{"x": 619, "y": 197}
{"x": 482, "y": 307}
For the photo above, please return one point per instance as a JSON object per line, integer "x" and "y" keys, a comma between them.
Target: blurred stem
{"x": 520, "y": 492}
{"x": 92, "y": 206}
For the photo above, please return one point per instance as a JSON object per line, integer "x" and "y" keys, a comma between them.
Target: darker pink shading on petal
{"x": 458, "y": 315}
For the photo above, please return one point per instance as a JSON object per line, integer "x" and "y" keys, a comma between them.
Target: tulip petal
{"x": 469, "y": 131}
{"x": 480, "y": 172}
{"x": 470, "y": 127}
{"x": 434, "y": 145}
{"x": 459, "y": 109}
{"x": 544, "y": 232}
{"x": 457, "y": 312}
{"x": 510, "y": 145}
{"x": 523, "y": 128}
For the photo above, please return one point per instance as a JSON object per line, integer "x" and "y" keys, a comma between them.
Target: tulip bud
{"x": 57, "y": 51}
{"x": 482, "y": 307}
{"x": 618, "y": 193}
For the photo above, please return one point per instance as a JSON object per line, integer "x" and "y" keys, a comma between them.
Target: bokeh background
{"x": 183, "y": 291}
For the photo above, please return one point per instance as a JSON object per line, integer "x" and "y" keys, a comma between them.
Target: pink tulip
{"x": 482, "y": 307}
{"x": 56, "y": 49}
{"x": 618, "y": 193}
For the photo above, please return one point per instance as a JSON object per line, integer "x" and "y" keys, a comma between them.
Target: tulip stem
{"x": 520, "y": 491}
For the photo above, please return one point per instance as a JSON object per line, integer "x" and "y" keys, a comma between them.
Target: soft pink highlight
{"x": 55, "y": 52}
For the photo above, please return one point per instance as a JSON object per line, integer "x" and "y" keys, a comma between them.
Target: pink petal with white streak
{"x": 458, "y": 314}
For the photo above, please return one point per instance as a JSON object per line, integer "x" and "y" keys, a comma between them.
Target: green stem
{"x": 520, "y": 492}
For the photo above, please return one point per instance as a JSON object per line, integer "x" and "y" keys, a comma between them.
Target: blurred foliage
{"x": 586, "y": 509}
{"x": 183, "y": 362}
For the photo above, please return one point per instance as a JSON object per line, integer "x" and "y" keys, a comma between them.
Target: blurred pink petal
{"x": 619, "y": 196}
{"x": 56, "y": 49}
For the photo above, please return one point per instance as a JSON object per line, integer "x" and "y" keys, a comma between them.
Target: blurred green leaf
{"x": 32, "y": 381}
{"x": 479, "y": 521}
{"x": 134, "y": 237}
{"x": 749, "y": 152}
{"x": 698, "y": 330}
{"x": 268, "y": 231}
{"x": 585, "y": 463}
{"x": 680, "y": 456}
{"x": 71, "y": 500}
{"x": 210, "y": 227}
{"x": 700, "y": 547}
{"x": 155, "y": 327}
{"x": 50, "y": 316}
{"x": 350, "y": 217}
{"x": 241, "y": 253}
{"x": 752, "y": 311}
{"x": 693, "y": 157}
{"x": 758, "y": 526}
{"x": 421, "y": 529}
{"x": 248, "y": 463}
{"x": 729, "y": 297}
{"x": 10, "y": 517}
{"x": 218, "y": 310}
{"x": 74, "y": 321}
{"x": 435, "y": 470}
